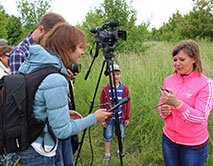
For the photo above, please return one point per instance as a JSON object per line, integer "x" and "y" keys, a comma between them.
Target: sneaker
{"x": 106, "y": 158}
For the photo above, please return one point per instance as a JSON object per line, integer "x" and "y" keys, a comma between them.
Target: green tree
{"x": 155, "y": 34}
{"x": 118, "y": 10}
{"x": 197, "y": 24}
{"x": 125, "y": 15}
{"x": 3, "y": 22}
{"x": 169, "y": 30}
{"x": 14, "y": 30}
{"x": 31, "y": 13}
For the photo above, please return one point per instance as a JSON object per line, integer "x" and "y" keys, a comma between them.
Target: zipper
{"x": 175, "y": 124}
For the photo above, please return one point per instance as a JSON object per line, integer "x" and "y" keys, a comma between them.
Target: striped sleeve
{"x": 203, "y": 105}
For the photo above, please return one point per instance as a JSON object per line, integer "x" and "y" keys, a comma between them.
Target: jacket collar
{"x": 39, "y": 57}
{"x": 188, "y": 77}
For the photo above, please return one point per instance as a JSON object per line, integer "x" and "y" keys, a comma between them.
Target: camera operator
{"x": 62, "y": 46}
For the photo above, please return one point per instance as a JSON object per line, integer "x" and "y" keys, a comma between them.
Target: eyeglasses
{"x": 4, "y": 55}
{"x": 7, "y": 55}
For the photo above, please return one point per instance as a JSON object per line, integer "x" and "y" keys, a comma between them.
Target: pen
{"x": 162, "y": 89}
{"x": 158, "y": 105}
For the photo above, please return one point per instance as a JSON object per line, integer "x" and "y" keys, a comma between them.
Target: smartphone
{"x": 163, "y": 89}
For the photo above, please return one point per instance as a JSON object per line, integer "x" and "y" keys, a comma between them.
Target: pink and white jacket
{"x": 187, "y": 124}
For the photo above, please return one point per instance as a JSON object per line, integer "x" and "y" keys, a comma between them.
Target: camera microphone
{"x": 112, "y": 24}
{"x": 106, "y": 25}
{"x": 96, "y": 29}
{"x": 125, "y": 100}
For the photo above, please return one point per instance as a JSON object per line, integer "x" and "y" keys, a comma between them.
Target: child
{"x": 123, "y": 113}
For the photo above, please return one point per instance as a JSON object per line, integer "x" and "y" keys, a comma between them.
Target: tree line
{"x": 197, "y": 24}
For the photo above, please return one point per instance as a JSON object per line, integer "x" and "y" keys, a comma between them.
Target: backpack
{"x": 18, "y": 126}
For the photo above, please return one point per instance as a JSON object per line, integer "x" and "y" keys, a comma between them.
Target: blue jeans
{"x": 30, "y": 157}
{"x": 108, "y": 131}
{"x": 6, "y": 160}
{"x": 177, "y": 155}
{"x": 64, "y": 153}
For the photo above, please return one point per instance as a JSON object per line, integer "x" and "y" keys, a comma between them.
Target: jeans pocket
{"x": 25, "y": 157}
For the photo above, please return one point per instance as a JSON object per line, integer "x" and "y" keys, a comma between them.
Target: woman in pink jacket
{"x": 186, "y": 103}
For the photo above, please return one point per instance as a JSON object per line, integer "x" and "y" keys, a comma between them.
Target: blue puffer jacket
{"x": 51, "y": 97}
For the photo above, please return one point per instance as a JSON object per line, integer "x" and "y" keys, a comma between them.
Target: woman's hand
{"x": 70, "y": 74}
{"x": 101, "y": 115}
{"x": 170, "y": 98}
{"x": 75, "y": 115}
{"x": 104, "y": 124}
{"x": 165, "y": 110}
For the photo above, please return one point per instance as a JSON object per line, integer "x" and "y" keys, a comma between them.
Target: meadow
{"x": 142, "y": 73}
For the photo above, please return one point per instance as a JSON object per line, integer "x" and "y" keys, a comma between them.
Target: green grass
{"x": 142, "y": 74}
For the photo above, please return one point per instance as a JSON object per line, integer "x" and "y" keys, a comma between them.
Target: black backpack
{"x": 18, "y": 126}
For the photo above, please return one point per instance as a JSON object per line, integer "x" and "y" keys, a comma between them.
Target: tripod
{"x": 108, "y": 54}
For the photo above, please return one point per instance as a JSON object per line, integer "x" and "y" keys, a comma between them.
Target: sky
{"x": 74, "y": 11}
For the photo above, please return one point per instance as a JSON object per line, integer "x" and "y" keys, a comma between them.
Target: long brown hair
{"x": 191, "y": 48}
{"x": 63, "y": 39}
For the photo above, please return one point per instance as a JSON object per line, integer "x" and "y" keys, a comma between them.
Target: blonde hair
{"x": 63, "y": 39}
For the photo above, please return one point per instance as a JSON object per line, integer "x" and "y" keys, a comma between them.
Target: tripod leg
{"x": 115, "y": 101}
{"x": 120, "y": 145}
{"x": 91, "y": 107}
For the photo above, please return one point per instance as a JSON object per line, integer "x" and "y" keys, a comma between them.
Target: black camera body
{"x": 75, "y": 68}
{"x": 108, "y": 37}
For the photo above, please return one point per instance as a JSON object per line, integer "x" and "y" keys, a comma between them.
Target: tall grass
{"x": 142, "y": 74}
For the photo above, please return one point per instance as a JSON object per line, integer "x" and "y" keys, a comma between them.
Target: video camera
{"x": 108, "y": 37}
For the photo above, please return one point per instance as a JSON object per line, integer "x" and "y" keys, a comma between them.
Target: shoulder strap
{"x": 33, "y": 80}
{"x": 71, "y": 95}
{"x": 2, "y": 82}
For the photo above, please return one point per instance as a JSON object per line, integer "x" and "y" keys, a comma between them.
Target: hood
{"x": 39, "y": 57}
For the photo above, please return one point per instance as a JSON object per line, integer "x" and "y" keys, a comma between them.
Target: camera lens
{"x": 75, "y": 68}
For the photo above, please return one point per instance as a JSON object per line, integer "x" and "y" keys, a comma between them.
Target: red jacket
{"x": 105, "y": 97}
